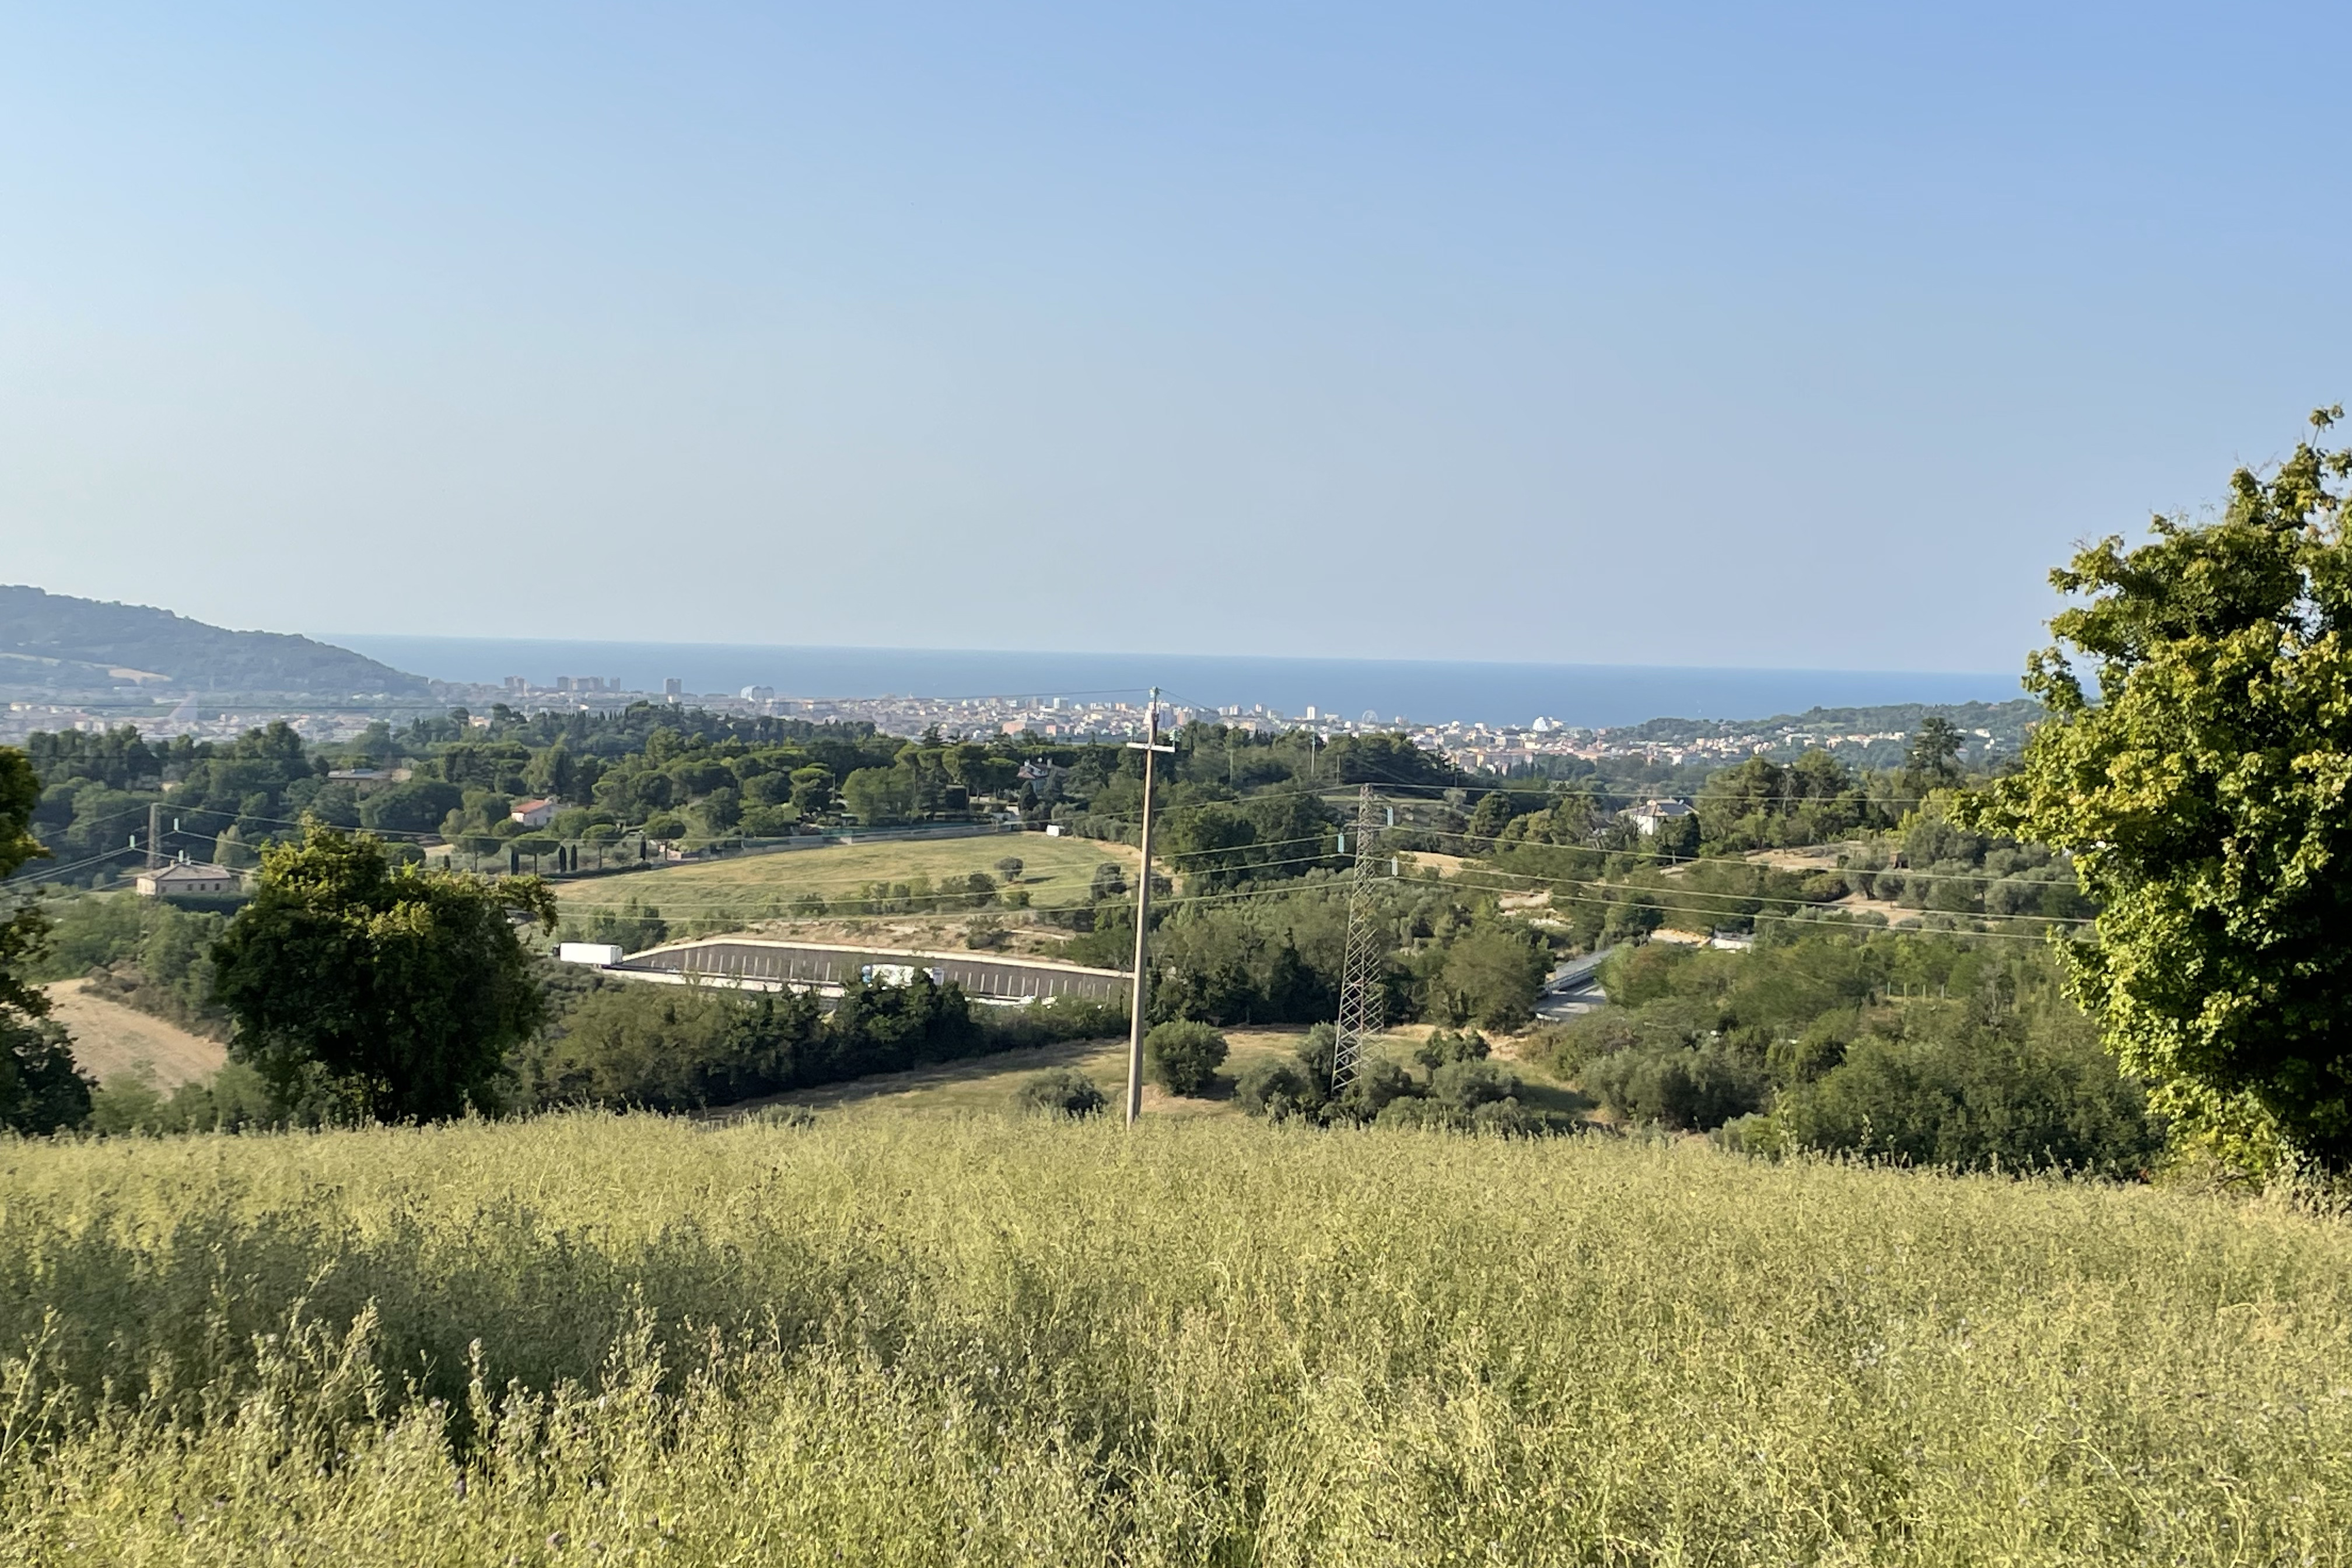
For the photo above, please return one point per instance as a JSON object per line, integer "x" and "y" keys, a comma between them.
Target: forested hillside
{"x": 55, "y": 645}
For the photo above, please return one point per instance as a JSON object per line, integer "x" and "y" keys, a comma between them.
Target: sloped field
{"x": 922, "y": 1340}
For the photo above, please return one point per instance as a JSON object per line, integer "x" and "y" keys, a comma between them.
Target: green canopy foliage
{"x": 41, "y": 1091}
{"x": 398, "y": 992}
{"x": 1930, "y": 1049}
{"x": 1058, "y": 1091}
{"x": 1183, "y": 1057}
{"x": 2203, "y": 785}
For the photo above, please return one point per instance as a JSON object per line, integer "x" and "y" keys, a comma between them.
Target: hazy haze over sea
{"x": 1420, "y": 690}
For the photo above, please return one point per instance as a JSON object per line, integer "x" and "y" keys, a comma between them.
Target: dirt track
{"x": 110, "y": 1038}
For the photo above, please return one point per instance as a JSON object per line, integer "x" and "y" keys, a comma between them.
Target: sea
{"x": 1416, "y": 691}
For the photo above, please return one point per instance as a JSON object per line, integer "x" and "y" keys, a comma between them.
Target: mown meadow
{"x": 902, "y": 1339}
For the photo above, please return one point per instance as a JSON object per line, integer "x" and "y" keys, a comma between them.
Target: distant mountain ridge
{"x": 55, "y": 644}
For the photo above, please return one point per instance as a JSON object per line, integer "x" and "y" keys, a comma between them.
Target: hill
{"x": 2005, "y": 723}
{"x": 53, "y": 644}
{"x": 917, "y": 1339}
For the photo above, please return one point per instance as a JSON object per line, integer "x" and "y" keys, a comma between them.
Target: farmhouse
{"x": 1647, "y": 817}
{"x": 534, "y": 813}
{"x": 187, "y": 881}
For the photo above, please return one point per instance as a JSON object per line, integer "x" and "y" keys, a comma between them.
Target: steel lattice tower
{"x": 1362, "y": 996}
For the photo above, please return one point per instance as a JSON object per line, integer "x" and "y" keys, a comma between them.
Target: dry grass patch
{"x": 895, "y": 1339}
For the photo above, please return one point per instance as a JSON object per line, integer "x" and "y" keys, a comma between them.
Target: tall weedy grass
{"x": 902, "y": 1340}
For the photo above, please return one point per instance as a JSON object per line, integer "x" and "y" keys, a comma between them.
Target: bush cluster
{"x": 1464, "y": 1093}
{"x": 1183, "y": 1057}
{"x": 1912, "y": 1047}
{"x": 1058, "y": 1091}
{"x": 679, "y": 1048}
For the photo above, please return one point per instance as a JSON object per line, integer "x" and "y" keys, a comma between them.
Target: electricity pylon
{"x": 1362, "y": 995}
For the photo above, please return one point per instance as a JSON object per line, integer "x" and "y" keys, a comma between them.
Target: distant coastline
{"x": 1420, "y": 690}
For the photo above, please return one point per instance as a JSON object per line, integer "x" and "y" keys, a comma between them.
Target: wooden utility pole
{"x": 1151, "y": 748}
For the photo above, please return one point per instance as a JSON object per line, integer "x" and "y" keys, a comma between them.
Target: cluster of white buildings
{"x": 19, "y": 719}
{"x": 1479, "y": 747}
{"x": 1502, "y": 748}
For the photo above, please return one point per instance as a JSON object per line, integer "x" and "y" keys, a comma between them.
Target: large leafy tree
{"x": 1933, "y": 759}
{"x": 2204, "y": 788}
{"x": 401, "y": 989}
{"x": 40, "y": 1089}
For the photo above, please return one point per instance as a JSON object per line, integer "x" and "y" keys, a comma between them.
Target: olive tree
{"x": 1182, "y": 1058}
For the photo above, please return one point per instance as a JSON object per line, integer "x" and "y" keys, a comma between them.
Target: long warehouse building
{"x": 801, "y": 966}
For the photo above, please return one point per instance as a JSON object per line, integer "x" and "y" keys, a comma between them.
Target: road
{"x": 820, "y": 966}
{"x": 1572, "y": 988}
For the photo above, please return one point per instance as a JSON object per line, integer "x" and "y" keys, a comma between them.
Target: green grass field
{"x": 921, "y": 1339}
{"x": 986, "y": 1083}
{"x": 1054, "y": 871}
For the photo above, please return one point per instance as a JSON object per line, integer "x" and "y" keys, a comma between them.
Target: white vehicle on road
{"x": 897, "y": 975}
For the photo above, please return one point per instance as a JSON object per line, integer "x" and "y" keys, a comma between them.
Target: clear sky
{"x": 1791, "y": 335}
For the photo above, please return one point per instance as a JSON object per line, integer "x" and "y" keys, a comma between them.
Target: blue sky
{"x": 1783, "y": 336}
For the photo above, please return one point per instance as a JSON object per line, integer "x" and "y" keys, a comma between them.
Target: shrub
{"x": 1823, "y": 886}
{"x": 1316, "y": 1054}
{"x": 1379, "y": 1083}
{"x": 1504, "y": 1117}
{"x": 634, "y": 927}
{"x": 1419, "y": 1115}
{"x": 1058, "y": 1091}
{"x": 1681, "y": 1086}
{"x": 1279, "y": 1091}
{"x": 41, "y": 1089}
{"x": 1971, "y": 1099}
{"x": 234, "y": 1099}
{"x": 1569, "y": 1049}
{"x": 1756, "y": 1133}
{"x": 1049, "y": 1020}
{"x": 675, "y": 1047}
{"x": 1182, "y": 1058}
{"x": 1467, "y": 1085}
{"x": 1445, "y": 1047}
{"x": 126, "y": 1102}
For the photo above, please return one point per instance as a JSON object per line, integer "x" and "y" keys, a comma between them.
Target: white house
{"x": 534, "y": 813}
{"x": 185, "y": 880}
{"x": 1647, "y": 817}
